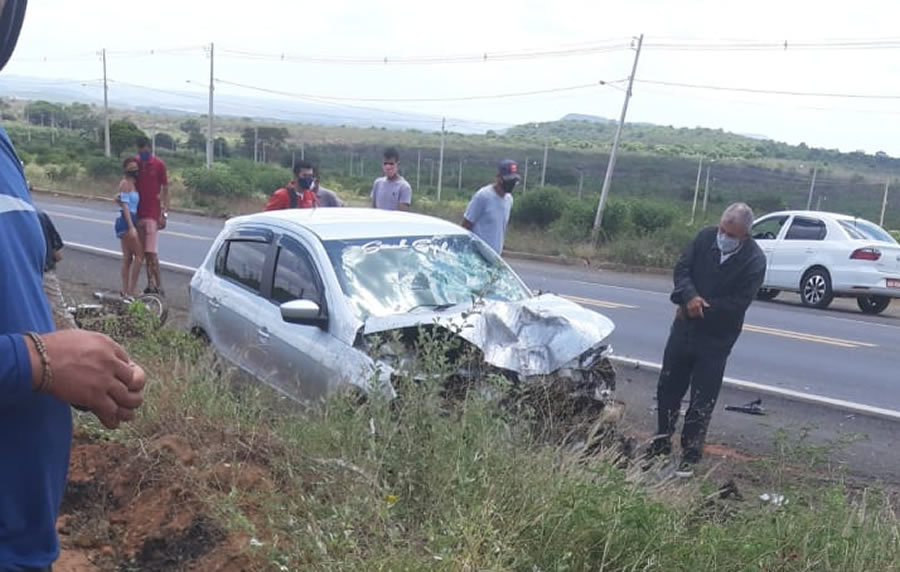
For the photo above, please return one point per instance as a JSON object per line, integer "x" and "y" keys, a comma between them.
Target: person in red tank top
{"x": 297, "y": 194}
{"x": 153, "y": 188}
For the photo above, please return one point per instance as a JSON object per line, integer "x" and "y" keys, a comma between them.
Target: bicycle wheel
{"x": 155, "y": 305}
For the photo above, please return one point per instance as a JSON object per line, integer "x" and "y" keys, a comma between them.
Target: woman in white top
{"x": 132, "y": 254}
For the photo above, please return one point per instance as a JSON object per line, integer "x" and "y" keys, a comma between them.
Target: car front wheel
{"x": 873, "y": 304}
{"x": 815, "y": 288}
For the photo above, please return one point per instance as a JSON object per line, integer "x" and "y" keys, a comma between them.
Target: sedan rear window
{"x": 387, "y": 276}
{"x": 860, "y": 229}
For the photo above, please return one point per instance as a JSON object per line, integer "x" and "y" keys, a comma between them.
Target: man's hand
{"x": 695, "y": 307}
{"x": 92, "y": 371}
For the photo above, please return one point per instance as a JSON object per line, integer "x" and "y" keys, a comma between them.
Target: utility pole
{"x": 431, "y": 173}
{"x": 696, "y": 189}
{"x": 598, "y": 220}
{"x": 256, "y": 144}
{"x": 706, "y": 190}
{"x": 441, "y": 160}
{"x": 812, "y": 188}
{"x": 153, "y": 143}
{"x": 459, "y": 179}
{"x": 887, "y": 185}
{"x": 580, "y": 183}
{"x": 418, "y": 169}
{"x": 544, "y": 164}
{"x": 293, "y": 159}
{"x": 362, "y": 166}
{"x": 351, "y": 163}
{"x": 106, "y": 150}
{"x": 209, "y": 138}
{"x": 525, "y": 177}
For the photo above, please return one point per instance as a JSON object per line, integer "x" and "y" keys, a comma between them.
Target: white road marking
{"x": 813, "y": 398}
{"x": 114, "y": 254}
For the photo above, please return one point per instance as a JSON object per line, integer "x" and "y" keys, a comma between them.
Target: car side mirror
{"x": 305, "y": 312}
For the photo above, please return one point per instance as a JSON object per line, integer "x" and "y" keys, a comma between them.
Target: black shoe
{"x": 685, "y": 470}
{"x": 661, "y": 447}
{"x": 151, "y": 290}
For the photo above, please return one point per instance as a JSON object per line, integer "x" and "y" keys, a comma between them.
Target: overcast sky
{"x": 60, "y": 35}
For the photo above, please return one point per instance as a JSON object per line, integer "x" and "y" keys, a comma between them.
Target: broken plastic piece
{"x": 752, "y": 408}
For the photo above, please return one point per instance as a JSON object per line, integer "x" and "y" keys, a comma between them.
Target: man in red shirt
{"x": 153, "y": 188}
{"x": 299, "y": 193}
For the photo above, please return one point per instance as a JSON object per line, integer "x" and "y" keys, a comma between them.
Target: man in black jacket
{"x": 716, "y": 278}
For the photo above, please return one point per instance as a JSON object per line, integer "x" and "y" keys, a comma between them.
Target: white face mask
{"x": 727, "y": 244}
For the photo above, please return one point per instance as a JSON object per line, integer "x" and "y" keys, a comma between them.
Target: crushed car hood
{"x": 534, "y": 337}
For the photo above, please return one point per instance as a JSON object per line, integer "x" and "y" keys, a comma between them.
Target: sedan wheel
{"x": 815, "y": 289}
{"x": 873, "y": 304}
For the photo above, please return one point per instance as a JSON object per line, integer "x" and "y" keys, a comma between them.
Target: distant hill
{"x": 589, "y": 118}
{"x": 124, "y": 96}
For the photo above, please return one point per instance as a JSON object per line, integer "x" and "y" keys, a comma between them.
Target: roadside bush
{"x": 539, "y": 207}
{"x": 576, "y": 221}
{"x": 62, "y": 172}
{"x": 649, "y": 217}
{"x": 616, "y": 217}
{"x": 259, "y": 178}
{"x": 101, "y": 167}
{"x": 218, "y": 181}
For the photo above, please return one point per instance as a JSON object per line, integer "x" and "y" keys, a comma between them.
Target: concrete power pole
{"x": 580, "y": 183}
{"x": 887, "y": 185}
{"x": 418, "y": 169}
{"x": 598, "y": 220}
{"x": 812, "y": 188}
{"x": 696, "y": 189}
{"x": 106, "y": 149}
{"x": 209, "y": 136}
{"x": 706, "y": 190}
{"x": 459, "y": 178}
{"x": 441, "y": 161}
{"x": 256, "y": 144}
{"x": 525, "y": 178}
{"x": 544, "y": 164}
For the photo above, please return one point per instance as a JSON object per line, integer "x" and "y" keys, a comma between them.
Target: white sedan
{"x": 826, "y": 255}
{"x": 312, "y": 300}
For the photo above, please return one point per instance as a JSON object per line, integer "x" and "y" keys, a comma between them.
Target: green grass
{"x": 421, "y": 486}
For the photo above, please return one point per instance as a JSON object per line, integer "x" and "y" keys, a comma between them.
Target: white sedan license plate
{"x": 893, "y": 283}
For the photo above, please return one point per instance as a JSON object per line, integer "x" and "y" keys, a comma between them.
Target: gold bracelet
{"x": 47, "y": 371}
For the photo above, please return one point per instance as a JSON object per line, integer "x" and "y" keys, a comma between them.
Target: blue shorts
{"x": 122, "y": 225}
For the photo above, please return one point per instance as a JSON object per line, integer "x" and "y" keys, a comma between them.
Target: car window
{"x": 860, "y": 229}
{"x": 768, "y": 228}
{"x": 244, "y": 262}
{"x": 804, "y": 228}
{"x": 295, "y": 277}
{"x": 396, "y": 275}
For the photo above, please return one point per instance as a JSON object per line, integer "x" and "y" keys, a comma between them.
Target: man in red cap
{"x": 488, "y": 212}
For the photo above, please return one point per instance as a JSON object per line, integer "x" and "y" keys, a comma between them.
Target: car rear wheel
{"x": 873, "y": 304}
{"x": 815, "y": 288}
{"x": 767, "y": 294}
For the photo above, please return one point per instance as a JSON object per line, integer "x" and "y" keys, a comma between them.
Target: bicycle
{"x": 110, "y": 304}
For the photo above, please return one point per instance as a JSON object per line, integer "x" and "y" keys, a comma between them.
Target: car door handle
{"x": 263, "y": 334}
{"x": 810, "y": 250}
{"x": 213, "y": 303}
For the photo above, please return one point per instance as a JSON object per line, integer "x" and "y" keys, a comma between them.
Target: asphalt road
{"x": 837, "y": 353}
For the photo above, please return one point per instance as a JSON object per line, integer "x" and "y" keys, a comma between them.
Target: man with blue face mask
{"x": 716, "y": 278}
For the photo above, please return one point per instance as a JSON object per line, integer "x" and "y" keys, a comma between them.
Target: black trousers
{"x": 698, "y": 362}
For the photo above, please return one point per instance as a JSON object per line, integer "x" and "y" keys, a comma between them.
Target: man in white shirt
{"x": 488, "y": 212}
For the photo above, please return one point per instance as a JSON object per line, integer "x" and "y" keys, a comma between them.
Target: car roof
{"x": 351, "y": 223}
{"x": 819, "y": 214}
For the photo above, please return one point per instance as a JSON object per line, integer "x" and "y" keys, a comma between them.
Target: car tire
{"x": 873, "y": 304}
{"x": 815, "y": 288}
{"x": 767, "y": 294}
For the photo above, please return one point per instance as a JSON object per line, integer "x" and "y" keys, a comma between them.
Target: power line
{"x": 411, "y": 100}
{"x": 782, "y": 45}
{"x": 768, "y": 91}
{"x": 484, "y": 57}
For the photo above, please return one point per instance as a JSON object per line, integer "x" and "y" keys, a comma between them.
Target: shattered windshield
{"x": 396, "y": 275}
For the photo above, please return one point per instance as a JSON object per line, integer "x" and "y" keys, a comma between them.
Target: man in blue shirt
{"x": 42, "y": 372}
